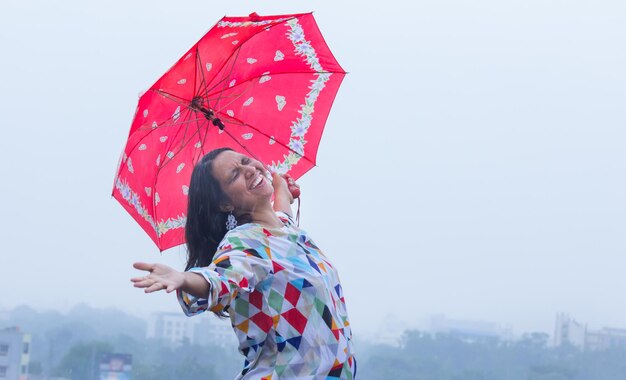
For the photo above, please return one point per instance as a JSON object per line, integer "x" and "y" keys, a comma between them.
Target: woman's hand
{"x": 285, "y": 189}
{"x": 160, "y": 277}
{"x": 281, "y": 189}
{"x": 293, "y": 187}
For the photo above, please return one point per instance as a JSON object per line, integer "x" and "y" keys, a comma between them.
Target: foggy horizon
{"x": 418, "y": 322}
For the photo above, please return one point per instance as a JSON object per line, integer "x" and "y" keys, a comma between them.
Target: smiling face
{"x": 243, "y": 180}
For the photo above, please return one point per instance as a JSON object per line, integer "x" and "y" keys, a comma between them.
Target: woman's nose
{"x": 249, "y": 170}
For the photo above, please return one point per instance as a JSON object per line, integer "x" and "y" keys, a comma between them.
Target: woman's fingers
{"x": 155, "y": 287}
{"x": 277, "y": 179}
{"x": 143, "y": 283}
{"x": 154, "y": 281}
{"x": 144, "y": 266}
{"x": 292, "y": 186}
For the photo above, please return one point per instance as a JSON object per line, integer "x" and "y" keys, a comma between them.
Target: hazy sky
{"x": 473, "y": 164}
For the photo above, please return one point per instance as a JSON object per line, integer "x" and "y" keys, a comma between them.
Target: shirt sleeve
{"x": 230, "y": 273}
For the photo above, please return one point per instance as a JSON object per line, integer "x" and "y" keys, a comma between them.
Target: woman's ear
{"x": 225, "y": 207}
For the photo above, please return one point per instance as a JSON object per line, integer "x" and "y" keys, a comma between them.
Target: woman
{"x": 249, "y": 260}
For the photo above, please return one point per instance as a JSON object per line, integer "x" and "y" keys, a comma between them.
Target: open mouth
{"x": 258, "y": 181}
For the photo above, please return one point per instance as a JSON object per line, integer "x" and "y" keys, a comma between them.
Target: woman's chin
{"x": 266, "y": 188}
{"x": 266, "y": 194}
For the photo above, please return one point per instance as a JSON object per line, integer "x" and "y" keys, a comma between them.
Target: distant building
{"x": 391, "y": 331}
{"x": 170, "y": 327}
{"x": 177, "y": 328}
{"x": 14, "y": 354}
{"x": 607, "y": 338}
{"x": 211, "y": 330}
{"x": 569, "y": 331}
{"x": 469, "y": 330}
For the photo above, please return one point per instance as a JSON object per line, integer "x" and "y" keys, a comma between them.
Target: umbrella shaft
{"x": 208, "y": 114}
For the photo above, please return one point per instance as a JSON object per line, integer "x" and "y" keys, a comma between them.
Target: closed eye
{"x": 244, "y": 161}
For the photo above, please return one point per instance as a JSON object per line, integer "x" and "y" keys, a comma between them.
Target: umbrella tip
{"x": 254, "y": 16}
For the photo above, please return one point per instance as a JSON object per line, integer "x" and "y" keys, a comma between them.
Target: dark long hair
{"x": 206, "y": 222}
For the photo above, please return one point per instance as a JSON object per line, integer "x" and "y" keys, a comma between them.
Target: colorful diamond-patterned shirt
{"x": 285, "y": 303}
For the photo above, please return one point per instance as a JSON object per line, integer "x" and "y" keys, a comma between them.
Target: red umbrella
{"x": 261, "y": 85}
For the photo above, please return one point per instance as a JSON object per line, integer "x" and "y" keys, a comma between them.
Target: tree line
{"x": 65, "y": 345}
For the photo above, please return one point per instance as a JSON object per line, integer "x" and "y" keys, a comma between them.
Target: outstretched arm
{"x": 162, "y": 277}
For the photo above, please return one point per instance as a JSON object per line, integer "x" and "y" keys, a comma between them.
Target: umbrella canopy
{"x": 261, "y": 85}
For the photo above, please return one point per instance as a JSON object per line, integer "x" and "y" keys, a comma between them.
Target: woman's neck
{"x": 266, "y": 217}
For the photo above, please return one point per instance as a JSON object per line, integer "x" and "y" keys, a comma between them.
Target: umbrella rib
{"x": 262, "y": 30}
{"x": 151, "y": 131}
{"x": 195, "y": 74}
{"x": 227, "y": 97}
{"x": 163, "y": 125}
{"x": 243, "y": 146}
{"x": 234, "y": 97}
{"x": 285, "y": 73}
{"x": 226, "y": 77}
{"x": 182, "y": 145}
{"x": 268, "y": 136}
{"x": 170, "y": 145}
{"x": 209, "y": 90}
{"x": 216, "y": 84}
{"x": 238, "y": 50}
{"x": 206, "y": 87}
{"x": 203, "y": 84}
{"x": 154, "y": 206}
{"x": 186, "y": 141}
{"x": 206, "y": 133}
{"x": 250, "y": 83}
{"x": 196, "y": 157}
{"x": 201, "y": 139}
{"x": 172, "y": 97}
{"x": 156, "y": 177}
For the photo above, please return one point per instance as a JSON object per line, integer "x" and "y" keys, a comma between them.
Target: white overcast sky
{"x": 473, "y": 164}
